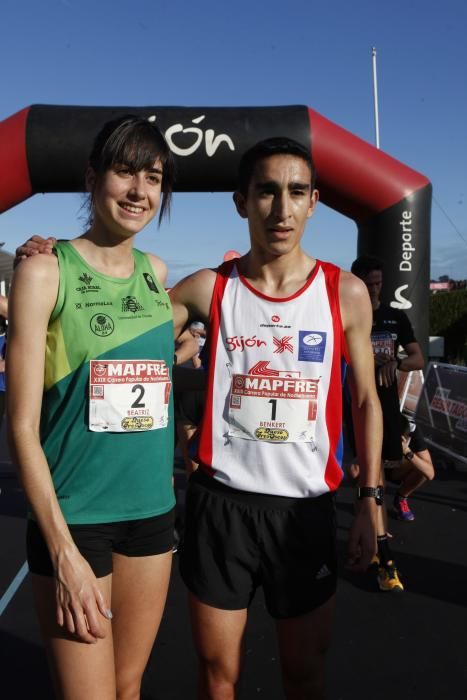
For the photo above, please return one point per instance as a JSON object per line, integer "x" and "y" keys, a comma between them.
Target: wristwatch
{"x": 409, "y": 454}
{"x": 371, "y": 492}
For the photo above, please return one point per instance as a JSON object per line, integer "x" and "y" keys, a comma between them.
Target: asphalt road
{"x": 408, "y": 646}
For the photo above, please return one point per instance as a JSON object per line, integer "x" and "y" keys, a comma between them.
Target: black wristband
{"x": 376, "y": 492}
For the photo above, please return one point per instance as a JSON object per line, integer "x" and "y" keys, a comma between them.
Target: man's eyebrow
{"x": 272, "y": 184}
{"x": 155, "y": 170}
{"x": 299, "y": 185}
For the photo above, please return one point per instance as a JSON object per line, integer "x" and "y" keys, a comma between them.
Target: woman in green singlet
{"x": 90, "y": 418}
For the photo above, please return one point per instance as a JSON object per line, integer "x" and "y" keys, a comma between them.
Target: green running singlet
{"x": 104, "y": 476}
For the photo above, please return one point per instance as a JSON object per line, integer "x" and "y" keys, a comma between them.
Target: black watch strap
{"x": 376, "y": 492}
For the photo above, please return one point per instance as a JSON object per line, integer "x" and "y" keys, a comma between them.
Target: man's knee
{"x": 128, "y": 685}
{"x": 218, "y": 678}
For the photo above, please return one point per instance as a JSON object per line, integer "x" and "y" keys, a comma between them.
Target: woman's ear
{"x": 90, "y": 179}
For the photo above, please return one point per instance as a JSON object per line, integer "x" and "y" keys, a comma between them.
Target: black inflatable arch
{"x": 44, "y": 149}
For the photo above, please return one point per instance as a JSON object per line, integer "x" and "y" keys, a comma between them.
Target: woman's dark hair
{"x": 136, "y": 143}
{"x": 275, "y": 146}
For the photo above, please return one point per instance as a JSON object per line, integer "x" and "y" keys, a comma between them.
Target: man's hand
{"x": 34, "y": 246}
{"x": 405, "y": 445}
{"x": 362, "y": 541}
{"x": 386, "y": 373}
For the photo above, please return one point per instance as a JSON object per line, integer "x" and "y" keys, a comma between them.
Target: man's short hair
{"x": 364, "y": 264}
{"x": 275, "y": 146}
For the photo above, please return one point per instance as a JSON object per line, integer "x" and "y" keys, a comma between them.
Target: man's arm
{"x": 3, "y": 306}
{"x": 187, "y": 347}
{"x": 366, "y": 412}
{"x": 191, "y": 299}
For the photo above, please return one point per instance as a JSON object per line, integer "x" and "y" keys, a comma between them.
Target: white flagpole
{"x": 375, "y": 96}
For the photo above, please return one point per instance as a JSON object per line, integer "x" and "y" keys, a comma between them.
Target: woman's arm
{"x": 32, "y": 298}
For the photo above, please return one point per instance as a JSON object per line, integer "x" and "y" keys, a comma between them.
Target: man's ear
{"x": 240, "y": 203}
{"x": 313, "y": 202}
{"x": 90, "y": 179}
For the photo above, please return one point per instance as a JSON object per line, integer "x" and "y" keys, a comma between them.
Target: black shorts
{"x": 236, "y": 541}
{"x": 96, "y": 543}
{"x": 189, "y": 407}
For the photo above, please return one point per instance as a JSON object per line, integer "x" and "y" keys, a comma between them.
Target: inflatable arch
{"x": 44, "y": 149}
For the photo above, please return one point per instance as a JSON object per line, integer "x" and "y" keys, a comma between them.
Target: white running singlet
{"x": 273, "y": 416}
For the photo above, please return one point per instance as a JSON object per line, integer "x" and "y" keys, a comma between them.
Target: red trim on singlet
{"x": 333, "y": 472}
{"x": 296, "y": 294}
{"x": 205, "y": 444}
{"x": 15, "y": 182}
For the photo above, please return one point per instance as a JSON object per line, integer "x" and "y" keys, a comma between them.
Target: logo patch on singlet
{"x": 131, "y": 304}
{"x": 150, "y": 282}
{"x": 87, "y": 286}
{"x": 283, "y": 344}
{"x": 311, "y": 346}
{"x": 102, "y": 325}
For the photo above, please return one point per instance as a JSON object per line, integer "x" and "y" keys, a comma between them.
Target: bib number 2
{"x": 128, "y": 395}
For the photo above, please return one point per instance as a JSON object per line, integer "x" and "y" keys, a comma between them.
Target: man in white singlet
{"x": 282, "y": 327}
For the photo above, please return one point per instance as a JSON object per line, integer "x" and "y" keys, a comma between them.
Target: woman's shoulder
{"x": 40, "y": 267}
{"x": 159, "y": 267}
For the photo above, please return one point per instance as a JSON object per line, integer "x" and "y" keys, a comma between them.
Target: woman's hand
{"x": 80, "y": 602}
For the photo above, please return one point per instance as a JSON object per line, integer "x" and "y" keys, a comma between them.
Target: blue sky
{"x": 251, "y": 53}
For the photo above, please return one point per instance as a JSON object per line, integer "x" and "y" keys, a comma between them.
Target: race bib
{"x": 273, "y": 408}
{"x": 383, "y": 343}
{"x": 128, "y": 395}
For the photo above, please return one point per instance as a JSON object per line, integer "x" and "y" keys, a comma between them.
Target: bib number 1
{"x": 273, "y": 408}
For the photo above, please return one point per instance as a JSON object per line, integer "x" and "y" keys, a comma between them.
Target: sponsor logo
{"x": 240, "y": 343}
{"x": 131, "y": 304}
{"x": 137, "y": 423}
{"x": 323, "y": 572}
{"x": 165, "y": 304}
{"x": 100, "y": 369}
{"x": 275, "y": 387}
{"x": 78, "y": 305}
{"x": 271, "y": 434}
{"x": 408, "y": 249}
{"x": 196, "y": 138}
{"x": 91, "y": 304}
{"x": 85, "y": 279}
{"x": 312, "y": 345}
{"x": 262, "y": 368}
{"x": 283, "y": 344}
{"x": 102, "y": 325}
{"x": 400, "y": 302}
{"x": 88, "y": 287}
{"x": 150, "y": 282}
{"x": 275, "y": 323}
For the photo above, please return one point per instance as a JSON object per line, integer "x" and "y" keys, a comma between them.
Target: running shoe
{"x": 401, "y": 508}
{"x": 388, "y": 579}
